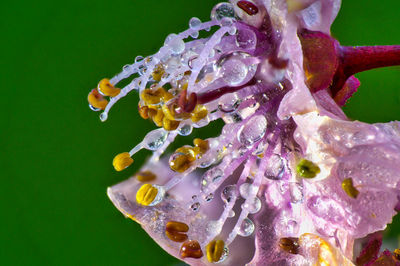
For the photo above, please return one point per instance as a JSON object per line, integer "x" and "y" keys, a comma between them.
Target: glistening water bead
{"x": 290, "y": 180}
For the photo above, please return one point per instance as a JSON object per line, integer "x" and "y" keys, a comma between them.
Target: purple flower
{"x": 290, "y": 180}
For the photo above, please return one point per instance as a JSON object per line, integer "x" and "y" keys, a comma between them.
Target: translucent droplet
{"x": 292, "y": 227}
{"x": 185, "y": 130}
{"x": 194, "y": 23}
{"x": 276, "y": 168}
{"x": 126, "y": 68}
{"x": 155, "y": 139}
{"x": 252, "y": 205}
{"x": 232, "y": 30}
{"x": 253, "y": 130}
{"x": 194, "y": 197}
{"x": 175, "y": 43}
{"x": 94, "y": 108}
{"x": 195, "y": 206}
{"x": 103, "y": 117}
{"x": 160, "y": 195}
{"x": 194, "y": 34}
{"x": 224, "y": 255}
{"x": 209, "y": 197}
{"x": 226, "y": 22}
{"x": 228, "y": 103}
{"x": 234, "y": 71}
{"x": 296, "y": 192}
{"x": 231, "y": 214}
{"x": 211, "y": 176}
{"x": 246, "y": 228}
{"x": 247, "y": 189}
{"x": 229, "y": 193}
{"x": 138, "y": 58}
{"x": 222, "y": 10}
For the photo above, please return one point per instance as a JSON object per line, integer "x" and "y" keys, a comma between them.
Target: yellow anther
{"x": 203, "y": 145}
{"x": 151, "y": 97}
{"x": 145, "y": 176}
{"x": 198, "y": 113}
{"x": 215, "y": 249}
{"x": 106, "y": 88}
{"x": 158, "y": 72}
{"x": 155, "y": 96}
{"x": 146, "y": 194}
{"x": 348, "y": 187}
{"x": 170, "y": 124}
{"x": 170, "y": 114}
{"x": 96, "y": 100}
{"x": 188, "y": 151}
{"x": 144, "y": 112}
{"x": 122, "y": 161}
{"x": 295, "y": 5}
{"x": 180, "y": 163}
{"x": 158, "y": 118}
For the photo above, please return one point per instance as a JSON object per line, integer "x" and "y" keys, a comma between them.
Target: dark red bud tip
{"x": 187, "y": 104}
{"x": 248, "y": 7}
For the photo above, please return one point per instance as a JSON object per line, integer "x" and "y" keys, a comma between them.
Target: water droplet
{"x": 292, "y": 227}
{"x": 194, "y": 197}
{"x": 228, "y": 103}
{"x": 224, "y": 255}
{"x": 222, "y": 10}
{"x": 155, "y": 139}
{"x": 276, "y": 167}
{"x": 296, "y": 192}
{"x": 209, "y": 197}
{"x": 226, "y": 22}
{"x": 138, "y": 58}
{"x": 103, "y": 117}
{"x": 195, "y": 206}
{"x": 126, "y": 68}
{"x": 252, "y": 205}
{"x": 253, "y": 130}
{"x": 175, "y": 43}
{"x": 160, "y": 195}
{"x": 232, "y": 30}
{"x": 94, "y": 108}
{"x": 246, "y": 228}
{"x": 247, "y": 189}
{"x": 185, "y": 130}
{"x": 234, "y": 71}
{"x": 231, "y": 214}
{"x": 211, "y": 176}
{"x": 194, "y": 34}
{"x": 229, "y": 193}
{"x": 195, "y": 23}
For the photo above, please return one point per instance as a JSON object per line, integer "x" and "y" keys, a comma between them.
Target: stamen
{"x": 122, "y": 161}
{"x": 176, "y": 231}
{"x": 248, "y": 7}
{"x": 145, "y": 176}
{"x": 289, "y": 244}
{"x": 307, "y": 169}
{"x": 96, "y": 101}
{"x": 348, "y": 187}
{"x": 107, "y": 89}
{"x": 214, "y": 250}
{"x": 191, "y": 249}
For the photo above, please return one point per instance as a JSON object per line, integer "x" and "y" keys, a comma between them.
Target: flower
{"x": 290, "y": 180}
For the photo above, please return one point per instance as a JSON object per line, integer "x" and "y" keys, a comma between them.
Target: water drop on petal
{"x": 195, "y": 206}
{"x": 222, "y": 10}
{"x": 246, "y": 228}
{"x": 253, "y": 130}
{"x": 252, "y": 205}
{"x": 229, "y": 193}
{"x": 185, "y": 130}
{"x": 155, "y": 139}
{"x": 194, "y": 23}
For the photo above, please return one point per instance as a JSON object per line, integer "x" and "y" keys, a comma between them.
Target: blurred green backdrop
{"x": 56, "y": 154}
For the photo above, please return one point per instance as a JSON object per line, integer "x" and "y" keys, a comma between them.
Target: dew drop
{"x": 195, "y": 206}
{"x": 228, "y": 103}
{"x": 276, "y": 168}
{"x": 246, "y": 228}
{"x": 185, "y": 130}
{"x": 224, "y": 255}
{"x": 231, "y": 214}
{"x": 296, "y": 192}
{"x": 229, "y": 193}
{"x": 103, "y": 117}
{"x": 253, "y": 130}
{"x": 126, "y": 68}
{"x": 94, "y": 108}
{"x": 209, "y": 197}
{"x": 247, "y": 189}
{"x": 226, "y": 22}
{"x": 195, "y": 23}
{"x": 175, "y": 43}
{"x": 139, "y": 58}
{"x": 211, "y": 176}
{"x": 252, "y": 205}
{"x": 155, "y": 139}
{"x": 222, "y": 10}
{"x": 160, "y": 195}
{"x": 234, "y": 71}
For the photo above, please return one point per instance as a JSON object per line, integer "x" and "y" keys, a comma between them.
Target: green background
{"x": 55, "y": 153}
